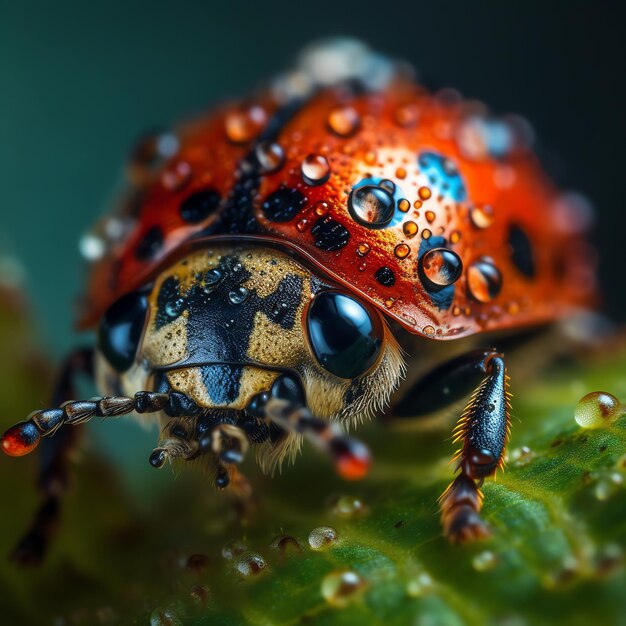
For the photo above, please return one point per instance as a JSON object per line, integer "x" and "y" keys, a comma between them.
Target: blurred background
{"x": 79, "y": 82}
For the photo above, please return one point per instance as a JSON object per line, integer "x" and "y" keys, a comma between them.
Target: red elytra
{"x": 521, "y": 262}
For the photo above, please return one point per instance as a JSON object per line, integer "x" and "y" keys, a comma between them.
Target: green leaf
{"x": 557, "y": 514}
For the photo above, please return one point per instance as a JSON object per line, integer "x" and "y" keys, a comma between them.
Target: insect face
{"x": 225, "y": 323}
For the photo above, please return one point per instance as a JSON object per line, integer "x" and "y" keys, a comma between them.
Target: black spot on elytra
{"x": 521, "y": 251}
{"x": 283, "y": 204}
{"x": 385, "y": 276}
{"x": 329, "y": 234}
{"x": 441, "y": 297}
{"x": 150, "y": 244}
{"x": 197, "y": 207}
{"x": 237, "y": 215}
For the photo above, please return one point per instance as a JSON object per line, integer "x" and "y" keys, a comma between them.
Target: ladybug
{"x": 273, "y": 267}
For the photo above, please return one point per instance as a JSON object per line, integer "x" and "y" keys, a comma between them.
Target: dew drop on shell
{"x": 243, "y": 125}
{"x": 344, "y": 121}
{"x": 238, "y": 295}
{"x": 322, "y": 537}
{"x": 371, "y": 206}
{"x": 315, "y": 169}
{"x": 402, "y": 250}
{"x": 270, "y": 156}
{"x": 484, "y": 280}
{"x": 410, "y": 229}
{"x": 440, "y": 267}
{"x": 424, "y": 193}
{"x": 363, "y": 249}
{"x": 426, "y": 234}
{"x": 404, "y": 205}
{"x": 176, "y": 177}
{"x": 481, "y": 215}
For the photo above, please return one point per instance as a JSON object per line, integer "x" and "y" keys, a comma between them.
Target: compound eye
{"x": 345, "y": 336}
{"x": 121, "y": 328}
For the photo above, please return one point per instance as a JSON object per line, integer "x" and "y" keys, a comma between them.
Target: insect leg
{"x": 350, "y": 456}
{"x": 483, "y": 432}
{"x": 53, "y": 467}
{"x": 25, "y": 436}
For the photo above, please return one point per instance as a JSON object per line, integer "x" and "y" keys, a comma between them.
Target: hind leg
{"x": 482, "y": 431}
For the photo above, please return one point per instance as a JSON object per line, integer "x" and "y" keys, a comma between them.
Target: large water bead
{"x": 371, "y": 206}
{"x": 440, "y": 267}
{"x": 598, "y": 409}
{"x": 484, "y": 280}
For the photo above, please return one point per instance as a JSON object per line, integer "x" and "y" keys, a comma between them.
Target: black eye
{"x": 345, "y": 336}
{"x": 121, "y": 329}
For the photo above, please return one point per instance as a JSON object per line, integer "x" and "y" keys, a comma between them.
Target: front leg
{"x": 482, "y": 431}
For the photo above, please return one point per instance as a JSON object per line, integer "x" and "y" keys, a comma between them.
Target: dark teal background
{"x": 79, "y": 81}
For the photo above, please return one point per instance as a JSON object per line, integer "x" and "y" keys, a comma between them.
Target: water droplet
{"x": 410, "y": 229}
{"x": 233, "y": 549}
{"x": 402, "y": 250}
{"x": 165, "y": 617}
{"x": 177, "y": 176}
{"x": 174, "y": 308}
{"x": 430, "y": 216}
{"x": 270, "y": 156}
{"x": 322, "y": 537}
{"x": 455, "y": 236}
{"x": 522, "y": 456}
{"x": 481, "y": 215}
{"x": 243, "y": 125}
{"x": 401, "y": 173}
{"x": 363, "y": 249}
{"x": 388, "y": 185}
{"x": 404, "y": 205}
{"x": 315, "y": 169}
{"x": 238, "y": 295}
{"x": 212, "y": 277}
{"x": 428, "y": 330}
{"x": 609, "y": 559}
{"x": 371, "y": 206}
{"x": 484, "y": 280}
{"x": 426, "y": 234}
{"x": 321, "y": 208}
{"x": 249, "y": 564}
{"x": 597, "y": 409}
{"x": 608, "y": 485}
{"x": 199, "y": 595}
{"x": 302, "y": 224}
{"x": 440, "y": 267}
{"x": 348, "y": 507}
{"x": 344, "y": 121}
{"x": 484, "y": 561}
{"x": 339, "y": 588}
{"x": 370, "y": 157}
{"x": 417, "y": 204}
{"x": 285, "y": 544}
{"x": 424, "y": 193}
{"x": 389, "y": 302}
{"x": 407, "y": 115}
{"x": 419, "y": 585}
